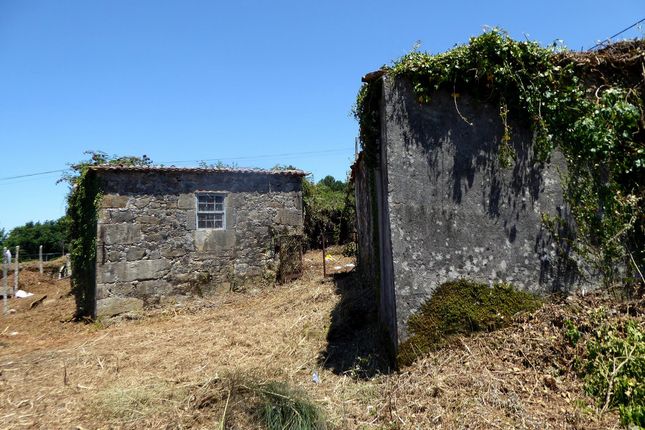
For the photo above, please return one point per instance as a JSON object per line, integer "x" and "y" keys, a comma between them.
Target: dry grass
{"x": 190, "y": 366}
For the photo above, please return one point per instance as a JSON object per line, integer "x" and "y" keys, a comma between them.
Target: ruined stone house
{"x": 164, "y": 233}
{"x": 434, "y": 204}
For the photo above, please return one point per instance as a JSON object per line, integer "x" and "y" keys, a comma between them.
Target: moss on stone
{"x": 461, "y": 307}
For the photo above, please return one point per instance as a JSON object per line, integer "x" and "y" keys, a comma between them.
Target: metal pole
{"x": 40, "y": 259}
{"x": 5, "y": 289}
{"x": 16, "y": 270}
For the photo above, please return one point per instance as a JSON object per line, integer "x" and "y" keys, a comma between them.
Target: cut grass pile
{"x": 232, "y": 401}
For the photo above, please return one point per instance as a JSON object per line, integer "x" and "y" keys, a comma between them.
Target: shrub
{"x": 613, "y": 369}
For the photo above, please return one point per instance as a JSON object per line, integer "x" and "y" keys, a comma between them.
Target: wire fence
{"x": 12, "y": 262}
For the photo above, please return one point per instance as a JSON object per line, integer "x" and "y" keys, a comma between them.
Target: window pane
{"x": 210, "y": 211}
{"x": 206, "y": 198}
{"x": 206, "y": 207}
{"x": 206, "y": 224}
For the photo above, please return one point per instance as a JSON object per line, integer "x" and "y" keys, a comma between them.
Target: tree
{"x": 329, "y": 209}
{"x": 52, "y": 235}
{"x": 333, "y": 184}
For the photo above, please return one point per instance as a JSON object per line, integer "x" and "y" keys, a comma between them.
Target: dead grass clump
{"x": 235, "y": 401}
{"x": 286, "y": 408}
{"x": 128, "y": 405}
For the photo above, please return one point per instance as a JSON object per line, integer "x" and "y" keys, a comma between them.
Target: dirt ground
{"x": 171, "y": 367}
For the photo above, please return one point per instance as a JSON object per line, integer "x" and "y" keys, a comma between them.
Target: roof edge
{"x": 173, "y": 169}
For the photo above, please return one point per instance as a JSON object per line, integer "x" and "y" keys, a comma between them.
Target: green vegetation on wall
{"x": 594, "y": 115}
{"x": 83, "y": 203}
{"x": 82, "y": 209}
{"x": 462, "y": 307}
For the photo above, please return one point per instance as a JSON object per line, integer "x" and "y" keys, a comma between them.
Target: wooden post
{"x": 16, "y": 270}
{"x": 324, "y": 256}
{"x": 5, "y": 289}
{"x": 40, "y": 259}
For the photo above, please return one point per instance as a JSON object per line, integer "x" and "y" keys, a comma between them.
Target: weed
{"x": 614, "y": 370}
{"x": 572, "y": 334}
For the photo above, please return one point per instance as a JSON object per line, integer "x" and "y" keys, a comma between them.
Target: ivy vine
{"x": 83, "y": 204}
{"x": 82, "y": 208}
{"x": 596, "y": 120}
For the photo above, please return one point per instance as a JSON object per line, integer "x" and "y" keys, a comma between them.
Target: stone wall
{"x": 149, "y": 249}
{"x": 374, "y": 247}
{"x": 367, "y": 228}
{"x": 452, "y": 211}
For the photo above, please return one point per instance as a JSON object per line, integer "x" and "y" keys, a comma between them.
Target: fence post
{"x": 40, "y": 259}
{"x": 5, "y": 289}
{"x": 324, "y": 256}
{"x": 16, "y": 270}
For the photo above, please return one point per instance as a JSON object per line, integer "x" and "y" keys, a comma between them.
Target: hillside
{"x": 189, "y": 365}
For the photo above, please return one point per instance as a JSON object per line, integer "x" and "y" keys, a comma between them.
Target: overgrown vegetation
{"x": 330, "y": 210}
{"x": 589, "y": 105}
{"x": 83, "y": 201}
{"x": 458, "y": 308}
{"x": 610, "y": 357}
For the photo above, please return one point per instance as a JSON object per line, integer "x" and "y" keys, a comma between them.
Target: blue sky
{"x": 251, "y": 82}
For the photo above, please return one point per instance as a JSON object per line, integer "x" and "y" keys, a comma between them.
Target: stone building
{"x": 434, "y": 204}
{"x": 164, "y": 233}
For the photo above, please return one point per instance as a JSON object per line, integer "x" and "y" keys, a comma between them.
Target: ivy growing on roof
{"x": 588, "y": 105}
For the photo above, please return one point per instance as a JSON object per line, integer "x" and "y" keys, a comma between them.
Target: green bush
{"x": 462, "y": 307}
{"x": 614, "y": 369}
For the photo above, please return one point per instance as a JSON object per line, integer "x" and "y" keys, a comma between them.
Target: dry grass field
{"x": 194, "y": 365}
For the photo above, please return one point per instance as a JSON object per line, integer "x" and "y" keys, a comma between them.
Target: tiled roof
{"x": 172, "y": 169}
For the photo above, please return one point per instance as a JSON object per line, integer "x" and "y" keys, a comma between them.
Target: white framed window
{"x": 211, "y": 212}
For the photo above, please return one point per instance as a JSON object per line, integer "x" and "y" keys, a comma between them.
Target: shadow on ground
{"x": 355, "y": 345}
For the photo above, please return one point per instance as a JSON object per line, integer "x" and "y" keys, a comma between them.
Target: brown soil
{"x": 173, "y": 367}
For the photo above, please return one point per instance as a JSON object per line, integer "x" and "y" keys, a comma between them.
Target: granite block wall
{"x": 149, "y": 249}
